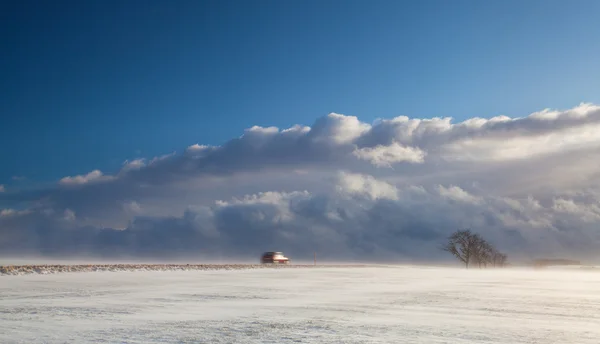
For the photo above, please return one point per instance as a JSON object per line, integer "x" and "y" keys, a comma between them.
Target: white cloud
{"x": 457, "y": 194}
{"x": 357, "y": 184}
{"x": 12, "y": 212}
{"x": 586, "y": 212}
{"x": 531, "y": 185}
{"x": 385, "y": 156}
{"x": 269, "y": 197}
{"x": 161, "y": 158}
{"x": 198, "y": 150}
{"x": 343, "y": 142}
{"x": 135, "y": 164}
{"x": 69, "y": 215}
{"x": 94, "y": 176}
{"x": 262, "y": 131}
{"x": 6, "y": 212}
{"x": 494, "y": 149}
{"x": 2, "y": 188}
{"x": 132, "y": 207}
{"x": 338, "y": 129}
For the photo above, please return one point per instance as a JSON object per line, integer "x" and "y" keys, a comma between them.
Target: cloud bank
{"x": 390, "y": 190}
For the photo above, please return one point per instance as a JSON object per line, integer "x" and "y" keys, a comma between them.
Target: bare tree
{"x": 483, "y": 251}
{"x": 502, "y": 258}
{"x": 461, "y": 244}
{"x": 469, "y": 248}
{"x": 498, "y": 259}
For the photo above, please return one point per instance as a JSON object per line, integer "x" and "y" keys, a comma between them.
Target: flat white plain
{"x": 388, "y": 304}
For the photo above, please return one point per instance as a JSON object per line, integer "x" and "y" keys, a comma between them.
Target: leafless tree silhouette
{"x": 483, "y": 251}
{"x": 470, "y": 248}
{"x": 461, "y": 244}
{"x": 499, "y": 259}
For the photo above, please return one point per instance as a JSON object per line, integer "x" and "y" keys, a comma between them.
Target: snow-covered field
{"x": 327, "y": 305}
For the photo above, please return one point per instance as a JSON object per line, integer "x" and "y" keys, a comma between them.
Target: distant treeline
{"x": 470, "y": 248}
{"x": 551, "y": 262}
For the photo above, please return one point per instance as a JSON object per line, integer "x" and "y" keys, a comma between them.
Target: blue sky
{"x": 88, "y": 85}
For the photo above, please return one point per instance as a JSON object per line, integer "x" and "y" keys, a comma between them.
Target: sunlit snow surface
{"x": 328, "y": 305}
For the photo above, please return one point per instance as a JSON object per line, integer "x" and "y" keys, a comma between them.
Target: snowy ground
{"x": 337, "y": 305}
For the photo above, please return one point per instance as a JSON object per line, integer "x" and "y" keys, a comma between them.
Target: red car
{"x": 274, "y": 258}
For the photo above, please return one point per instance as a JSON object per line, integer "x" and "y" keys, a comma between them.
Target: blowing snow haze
{"x": 123, "y": 133}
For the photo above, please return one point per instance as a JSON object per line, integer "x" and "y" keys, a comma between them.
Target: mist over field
{"x": 385, "y": 304}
